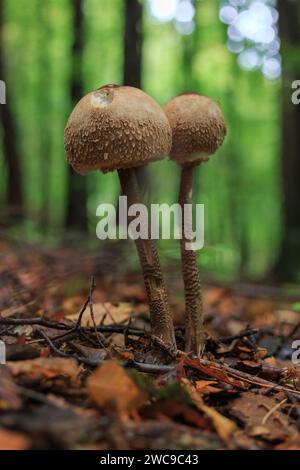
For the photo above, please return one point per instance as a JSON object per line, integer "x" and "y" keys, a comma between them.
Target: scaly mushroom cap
{"x": 116, "y": 127}
{"x": 198, "y": 128}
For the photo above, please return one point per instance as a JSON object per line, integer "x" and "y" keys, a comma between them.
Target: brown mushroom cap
{"x": 116, "y": 127}
{"x": 198, "y": 128}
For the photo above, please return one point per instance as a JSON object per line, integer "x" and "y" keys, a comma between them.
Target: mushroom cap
{"x": 116, "y": 127}
{"x": 198, "y": 128}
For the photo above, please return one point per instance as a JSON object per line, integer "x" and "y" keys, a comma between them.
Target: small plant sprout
{"x": 120, "y": 128}
{"x": 198, "y": 130}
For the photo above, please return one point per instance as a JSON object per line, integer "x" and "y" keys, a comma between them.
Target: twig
{"x": 272, "y": 411}
{"x": 151, "y": 368}
{"x": 253, "y": 380}
{"x": 40, "y": 321}
{"x": 108, "y": 313}
{"x": 242, "y": 334}
{"x": 84, "y": 360}
{"x": 292, "y": 333}
{"x": 142, "y": 367}
{"x": 244, "y": 376}
{"x": 101, "y": 340}
{"x": 86, "y": 303}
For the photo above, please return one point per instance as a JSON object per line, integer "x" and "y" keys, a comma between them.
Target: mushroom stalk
{"x": 160, "y": 316}
{"x": 194, "y": 327}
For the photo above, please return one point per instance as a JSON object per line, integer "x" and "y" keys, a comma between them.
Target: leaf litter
{"x": 80, "y": 374}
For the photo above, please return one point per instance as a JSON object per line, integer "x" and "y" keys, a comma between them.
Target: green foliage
{"x": 296, "y": 306}
{"x": 240, "y": 186}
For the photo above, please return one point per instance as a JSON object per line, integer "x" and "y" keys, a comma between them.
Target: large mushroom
{"x": 198, "y": 130}
{"x": 120, "y": 128}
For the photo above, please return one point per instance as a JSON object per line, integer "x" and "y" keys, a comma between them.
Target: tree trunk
{"x": 132, "y": 65}
{"x": 14, "y": 195}
{"x": 44, "y": 110}
{"x": 133, "y": 40}
{"x": 77, "y": 192}
{"x": 289, "y": 258}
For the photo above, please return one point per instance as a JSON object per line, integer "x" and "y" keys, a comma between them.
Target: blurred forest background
{"x": 54, "y": 51}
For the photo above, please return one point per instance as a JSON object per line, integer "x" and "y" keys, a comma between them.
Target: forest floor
{"x": 80, "y": 375}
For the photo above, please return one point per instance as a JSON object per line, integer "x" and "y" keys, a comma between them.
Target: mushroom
{"x": 198, "y": 130}
{"x": 120, "y": 128}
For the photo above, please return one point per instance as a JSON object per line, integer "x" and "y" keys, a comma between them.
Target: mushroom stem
{"x": 194, "y": 327}
{"x": 160, "y": 316}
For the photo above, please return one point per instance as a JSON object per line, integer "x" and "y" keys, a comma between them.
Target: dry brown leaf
{"x": 262, "y": 416}
{"x": 224, "y": 426}
{"x": 207, "y": 386}
{"x": 287, "y": 316}
{"x": 93, "y": 354}
{"x": 9, "y": 398}
{"x": 13, "y": 440}
{"x": 72, "y": 304}
{"x": 46, "y": 368}
{"x": 292, "y": 443}
{"x": 111, "y": 314}
{"x": 116, "y": 341}
{"x": 212, "y": 371}
{"x": 111, "y": 387}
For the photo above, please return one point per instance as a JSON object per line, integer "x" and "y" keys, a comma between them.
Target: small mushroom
{"x": 198, "y": 130}
{"x": 120, "y": 128}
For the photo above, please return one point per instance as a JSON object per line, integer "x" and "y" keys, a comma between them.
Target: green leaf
{"x": 296, "y": 306}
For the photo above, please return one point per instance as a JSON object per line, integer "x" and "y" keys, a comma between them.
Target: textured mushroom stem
{"x": 194, "y": 326}
{"x": 160, "y": 316}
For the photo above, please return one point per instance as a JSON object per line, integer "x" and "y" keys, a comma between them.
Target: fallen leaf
{"x": 111, "y": 387}
{"x": 291, "y": 443}
{"x": 287, "y": 316}
{"x": 116, "y": 341}
{"x": 13, "y": 440}
{"x": 212, "y": 371}
{"x": 224, "y": 426}
{"x": 9, "y": 398}
{"x": 262, "y": 417}
{"x": 46, "y": 368}
{"x": 93, "y": 354}
{"x": 177, "y": 410}
{"x": 106, "y": 313}
{"x": 244, "y": 441}
{"x": 207, "y": 386}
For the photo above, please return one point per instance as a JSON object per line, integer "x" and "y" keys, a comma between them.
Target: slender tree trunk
{"x": 133, "y": 41}
{"x": 190, "y": 48}
{"x": 44, "y": 109}
{"x": 77, "y": 192}
{"x": 132, "y": 65}
{"x": 288, "y": 264}
{"x": 14, "y": 195}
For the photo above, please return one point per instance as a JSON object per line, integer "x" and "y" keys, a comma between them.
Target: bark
{"x": 133, "y": 40}
{"x": 14, "y": 194}
{"x": 44, "y": 109}
{"x": 289, "y": 258}
{"x": 132, "y": 65}
{"x": 77, "y": 190}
